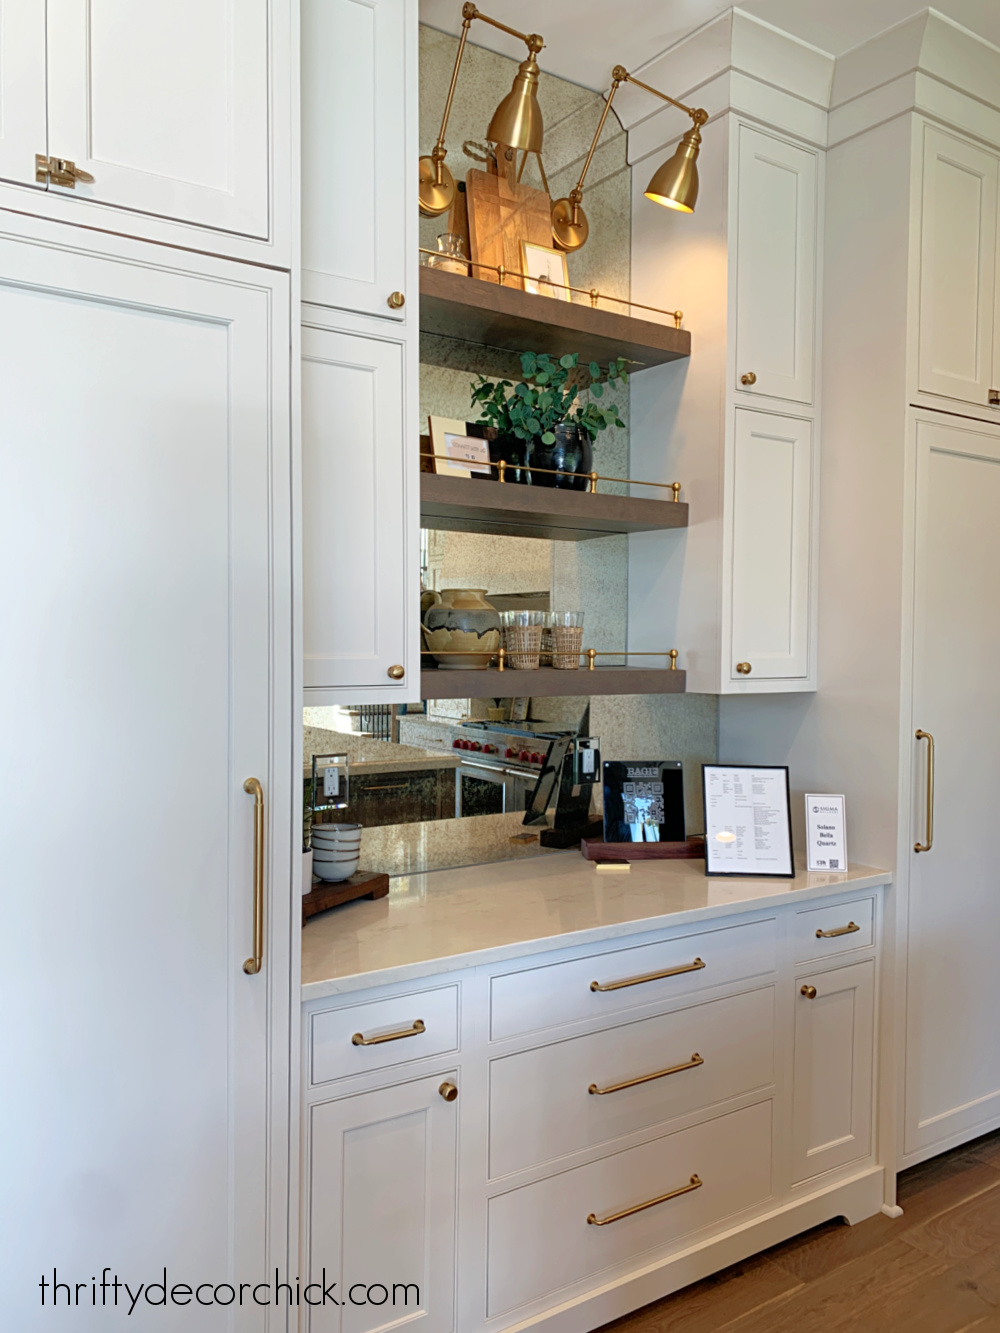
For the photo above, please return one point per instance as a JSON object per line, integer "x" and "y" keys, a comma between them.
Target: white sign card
{"x": 826, "y": 833}
{"x": 467, "y": 449}
{"x": 748, "y": 826}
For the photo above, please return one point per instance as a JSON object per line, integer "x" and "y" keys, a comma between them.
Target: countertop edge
{"x": 430, "y": 967}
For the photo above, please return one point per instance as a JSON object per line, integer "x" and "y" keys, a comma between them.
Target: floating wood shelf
{"x": 456, "y": 504}
{"x": 547, "y": 682}
{"x": 488, "y": 315}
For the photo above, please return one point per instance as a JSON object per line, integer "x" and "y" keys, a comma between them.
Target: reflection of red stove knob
{"x": 476, "y": 745}
{"x": 510, "y": 753}
{"x": 525, "y": 756}
{"x": 538, "y": 759}
{"x": 489, "y": 749}
{"x": 456, "y": 745}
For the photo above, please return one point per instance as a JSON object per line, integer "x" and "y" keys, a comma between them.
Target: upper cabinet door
{"x": 776, "y": 219}
{"x": 22, "y": 89}
{"x": 771, "y": 547}
{"x": 167, "y": 106}
{"x": 359, "y": 154}
{"x": 957, "y": 269}
{"x": 361, "y": 594}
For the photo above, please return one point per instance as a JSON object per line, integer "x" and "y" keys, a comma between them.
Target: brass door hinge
{"x": 60, "y": 171}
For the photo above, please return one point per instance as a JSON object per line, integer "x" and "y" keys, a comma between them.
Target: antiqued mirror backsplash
{"x": 446, "y": 782}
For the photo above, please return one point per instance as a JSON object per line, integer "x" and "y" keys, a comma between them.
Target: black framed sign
{"x": 748, "y": 820}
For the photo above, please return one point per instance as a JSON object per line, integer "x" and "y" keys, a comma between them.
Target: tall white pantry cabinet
{"x": 906, "y": 721}
{"x": 150, "y": 765}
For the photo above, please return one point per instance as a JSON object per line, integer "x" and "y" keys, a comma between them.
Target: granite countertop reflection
{"x": 367, "y": 755}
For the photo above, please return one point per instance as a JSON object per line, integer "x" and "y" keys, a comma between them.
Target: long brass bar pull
{"x": 926, "y": 846}
{"x": 849, "y": 929}
{"x": 253, "y": 965}
{"x": 696, "y": 966}
{"x": 693, "y": 1063}
{"x": 695, "y": 1183}
{"x": 359, "y": 1038}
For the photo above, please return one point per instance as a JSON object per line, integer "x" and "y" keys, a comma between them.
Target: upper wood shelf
{"x": 459, "y": 505}
{"x": 488, "y": 315}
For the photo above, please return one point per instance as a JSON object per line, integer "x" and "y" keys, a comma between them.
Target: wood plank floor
{"x": 936, "y": 1269}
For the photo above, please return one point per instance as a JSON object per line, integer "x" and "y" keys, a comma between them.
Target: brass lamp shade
{"x": 675, "y": 183}
{"x": 517, "y": 121}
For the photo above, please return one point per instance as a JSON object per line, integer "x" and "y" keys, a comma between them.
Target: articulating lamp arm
{"x": 533, "y": 42}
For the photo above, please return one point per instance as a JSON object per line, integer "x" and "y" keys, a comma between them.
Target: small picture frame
{"x": 519, "y": 708}
{"x": 544, "y": 271}
{"x": 748, "y": 820}
{"x": 456, "y": 452}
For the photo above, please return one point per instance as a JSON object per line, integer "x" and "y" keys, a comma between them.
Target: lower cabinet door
{"x": 771, "y": 544}
{"x": 360, "y": 527}
{"x": 381, "y": 1210}
{"x": 834, "y": 1048}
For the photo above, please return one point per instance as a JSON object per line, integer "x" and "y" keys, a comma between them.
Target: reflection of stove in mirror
{"x": 499, "y": 774}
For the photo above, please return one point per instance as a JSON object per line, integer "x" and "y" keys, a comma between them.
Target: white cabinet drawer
{"x": 608, "y": 983}
{"x": 362, "y": 1037}
{"x": 557, "y": 1099}
{"x": 540, "y": 1239}
{"x": 833, "y": 929}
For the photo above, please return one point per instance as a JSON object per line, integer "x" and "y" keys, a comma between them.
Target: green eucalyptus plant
{"x": 544, "y": 399}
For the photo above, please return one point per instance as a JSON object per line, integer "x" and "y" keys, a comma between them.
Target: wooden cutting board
{"x": 502, "y": 214}
{"x": 596, "y": 849}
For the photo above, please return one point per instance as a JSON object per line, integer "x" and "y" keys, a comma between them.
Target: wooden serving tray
{"x": 362, "y": 884}
{"x": 595, "y": 849}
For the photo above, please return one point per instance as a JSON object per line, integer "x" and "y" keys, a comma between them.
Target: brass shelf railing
{"x": 592, "y": 477}
{"x": 503, "y": 273}
{"x": 591, "y": 654}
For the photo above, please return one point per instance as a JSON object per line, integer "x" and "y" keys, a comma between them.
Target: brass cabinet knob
{"x": 448, "y": 1091}
{"x": 995, "y": 398}
{"x": 749, "y": 378}
{"x": 396, "y": 672}
{"x": 744, "y": 668}
{"x": 809, "y": 992}
{"x": 396, "y": 301}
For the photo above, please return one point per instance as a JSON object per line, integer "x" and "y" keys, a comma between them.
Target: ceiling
{"x": 584, "y": 38}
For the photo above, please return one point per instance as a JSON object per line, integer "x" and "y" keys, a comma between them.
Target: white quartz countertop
{"x": 443, "y": 920}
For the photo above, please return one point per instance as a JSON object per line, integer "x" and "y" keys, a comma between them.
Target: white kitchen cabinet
{"x": 605, "y": 1158}
{"x": 959, "y": 301}
{"x": 834, "y": 1073}
{"x": 381, "y": 1204}
{"x": 770, "y": 559}
{"x": 182, "y": 116}
{"x": 737, "y": 426}
{"x": 953, "y": 1085}
{"x": 776, "y": 224}
{"x": 145, "y": 508}
{"x": 359, "y": 156}
{"x": 22, "y": 89}
{"x": 360, "y": 520}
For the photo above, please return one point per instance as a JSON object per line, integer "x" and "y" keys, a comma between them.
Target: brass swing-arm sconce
{"x": 675, "y": 184}
{"x": 517, "y": 121}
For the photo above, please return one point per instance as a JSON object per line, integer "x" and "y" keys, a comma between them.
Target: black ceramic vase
{"x": 570, "y": 452}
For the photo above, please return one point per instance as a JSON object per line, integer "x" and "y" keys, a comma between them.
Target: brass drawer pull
{"x": 360, "y": 789}
{"x": 695, "y": 1184}
{"x": 253, "y": 965}
{"x": 359, "y": 1038}
{"x": 448, "y": 1091}
{"x": 850, "y": 929}
{"x": 926, "y": 846}
{"x": 693, "y": 1063}
{"x": 696, "y": 966}
{"x": 748, "y": 378}
{"x": 809, "y": 992}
